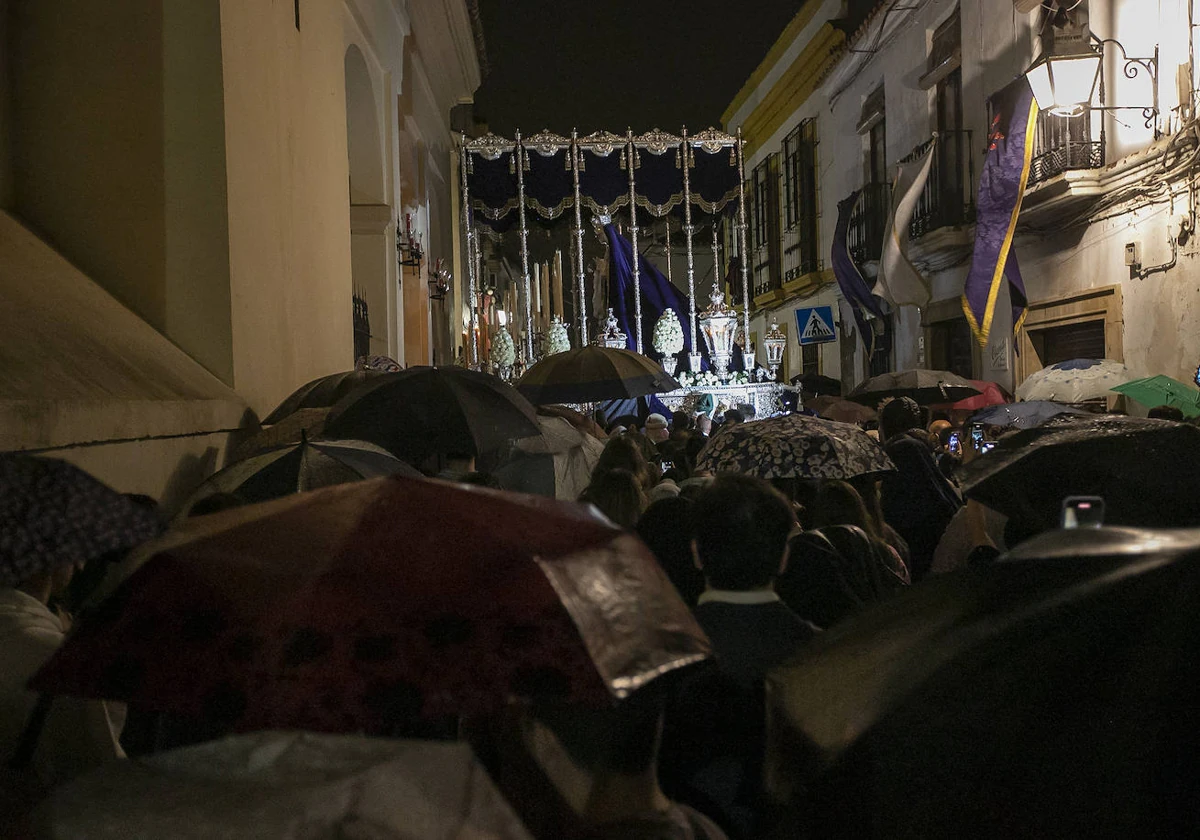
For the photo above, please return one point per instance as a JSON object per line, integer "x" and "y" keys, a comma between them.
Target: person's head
{"x": 748, "y": 411}
{"x": 626, "y": 421}
{"x": 704, "y": 424}
{"x": 650, "y": 455}
{"x": 656, "y": 428}
{"x": 1166, "y": 412}
{"x": 667, "y": 530}
{"x": 623, "y": 453}
{"x": 742, "y": 528}
{"x": 899, "y": 416}
{"x": 681, "y": 421}
{"x": 619, "y": 496}
{"x": 939, "y": 428}
{"x": 733, "y": 417}
{"x": 838, "y": 503}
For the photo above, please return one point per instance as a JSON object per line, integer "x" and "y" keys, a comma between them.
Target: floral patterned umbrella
{"x": 363, "y": 606}
{"x": 794, "y": 446}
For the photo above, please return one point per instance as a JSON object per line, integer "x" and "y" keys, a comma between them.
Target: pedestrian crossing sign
{"x": 814, "y": 325}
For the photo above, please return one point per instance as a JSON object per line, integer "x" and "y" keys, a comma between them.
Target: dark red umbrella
{"x": 355, "y": 607}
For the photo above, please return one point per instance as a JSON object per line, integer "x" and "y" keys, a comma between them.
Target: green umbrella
{"x": 1163, "y": 390}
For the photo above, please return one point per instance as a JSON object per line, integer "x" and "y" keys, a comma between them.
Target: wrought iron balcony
{"x": 868, "y": 223}
{"x": 1062, "y": 144}
{"x": 948, "y": 199}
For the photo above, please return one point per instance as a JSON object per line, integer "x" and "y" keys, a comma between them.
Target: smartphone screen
{"x": 987, "y": 446}
{"x": 1083, "y": 512}
{"x": 976, "y": 436}
{"x": 955, "y": 444}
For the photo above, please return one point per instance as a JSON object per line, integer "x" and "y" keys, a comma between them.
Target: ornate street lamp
{"x": 775, "y": 342}
{"x": 1065, "y": 83}
{"x": 719, "y": 323}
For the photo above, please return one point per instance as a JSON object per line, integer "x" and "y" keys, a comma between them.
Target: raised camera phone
{"x": 1083, "y": 512}
{"x": 955, "y": 444}
{"x": 977, "y": 436}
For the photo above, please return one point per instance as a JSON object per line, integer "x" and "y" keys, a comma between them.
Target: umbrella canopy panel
{"x": 1078, "y": 380}
{"x": 794, "y": 446}
{"x": 365, "y": 605}
{"x": 426, "y": 410}
{"x": 321, "y": 393}
{"x": 927, "y": 387}
{"x": 1147, "y": 471}
{"x": 593, "y": 374}
{"x": 1049, "y": 695}
{"x": 1154, "y": 391}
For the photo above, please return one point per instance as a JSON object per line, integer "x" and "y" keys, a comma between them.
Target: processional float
{"x": 504, "y": 181}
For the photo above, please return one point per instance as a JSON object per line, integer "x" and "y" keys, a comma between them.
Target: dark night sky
{"x": 613, "y": 64}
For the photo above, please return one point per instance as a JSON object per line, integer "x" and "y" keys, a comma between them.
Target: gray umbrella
{"x": 926, "y": 387}
{"x": 794, "y": 446}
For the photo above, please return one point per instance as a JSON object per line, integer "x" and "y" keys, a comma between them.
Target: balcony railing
{"x": 948, "y": 199}
{"x": 1062, "y": 144}
{"x": 765, "y": 280}
{"x": 362, "y": 328}
{"x": 868, "y": 222}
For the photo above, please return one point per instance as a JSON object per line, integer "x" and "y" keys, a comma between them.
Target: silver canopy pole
{"x": 576, "y": 156}
{"x": 685, "y": 161}
{"x": 633, "y": 233}
{"x": 519, "y": 156}
{"x": 471, "y": 277}
{"x": 741, "y": 233}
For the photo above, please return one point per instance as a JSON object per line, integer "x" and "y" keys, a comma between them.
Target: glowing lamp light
{"x": 719, "y": 325}
{"x": 1065, "y": 84}
{"x": 775, "y": 342}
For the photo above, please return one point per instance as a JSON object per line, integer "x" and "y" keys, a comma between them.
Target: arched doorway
{"x": 370, "y": 216}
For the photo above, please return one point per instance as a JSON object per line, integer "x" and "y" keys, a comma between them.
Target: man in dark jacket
{"x": 741, "y": 545}
{"x": 715, "y": 729}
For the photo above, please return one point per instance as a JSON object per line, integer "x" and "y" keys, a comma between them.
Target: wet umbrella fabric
{"x": 1077, "y": 380}
{"x": 794, "y": 446}
{"x": 424, "y": 411}
{"x": 288, "y": 784}
{"x": 1049, "y": 695}
{"x": 1022, "y": 415}
{"x": 843, "y": 411}
{"x": 323, "y": 392}
{"x": 926, "y": 387}
{"x": 1148, "y": 471}
{"x": 364, "y": 606}
{"x": 53, "y": 514}
{"x": 1154, "y": 391}
{"x": 594, "y": 374}
{"x": 557, "y": 464}
{"x": 306, "y": 466}
{"x": 817, "y": 385}
{"x": 990, "y": 393}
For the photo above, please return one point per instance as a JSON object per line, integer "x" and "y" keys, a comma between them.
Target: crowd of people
{"x": 765, "y": 566}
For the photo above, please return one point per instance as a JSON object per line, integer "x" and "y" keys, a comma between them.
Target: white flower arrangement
{"x": 668, "y": 333}
{"x": 704, "y": 379}
{"x": 504, "y": 352}
{"x": 557, "y": 341}
{"x": 739, "y": 378}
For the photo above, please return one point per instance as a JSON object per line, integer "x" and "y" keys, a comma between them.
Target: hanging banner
{"x": 1001, "y": 190}
{"x": 850, "y": 280}
{"x": 899, "y": 281}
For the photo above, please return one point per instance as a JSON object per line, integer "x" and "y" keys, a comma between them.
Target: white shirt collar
{"x": 745, "y": 598}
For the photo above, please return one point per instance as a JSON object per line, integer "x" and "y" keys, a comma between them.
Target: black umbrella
{"x": 1053, "y": 694}
{"x": 304, "y": 466}
{"x": 424, "y": 411}
{"x": 1148, "y": 471}
{"x": 927, "y": 387}
{"x": 322, "y": 393}
{"x": 52, "y": 514}
{"x": 816, "y": 385}
{"x": 593, "y": 374}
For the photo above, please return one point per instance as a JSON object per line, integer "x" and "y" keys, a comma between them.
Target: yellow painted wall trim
{"x": 794, "y": 87}
{"x": 785, "y": 40}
